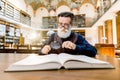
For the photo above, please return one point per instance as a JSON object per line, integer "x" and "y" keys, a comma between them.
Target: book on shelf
{"x": 57, "y": 61}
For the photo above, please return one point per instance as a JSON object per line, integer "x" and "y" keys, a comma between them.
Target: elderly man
{"x": 67, "y": 41}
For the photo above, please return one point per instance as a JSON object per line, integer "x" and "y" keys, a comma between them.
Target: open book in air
{"x": 55, "y": 61}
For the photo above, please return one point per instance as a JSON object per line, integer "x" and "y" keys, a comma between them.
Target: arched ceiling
{"x": 53, "y": 4}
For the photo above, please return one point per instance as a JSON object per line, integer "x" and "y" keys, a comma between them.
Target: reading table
{"x": 7, "y": 59}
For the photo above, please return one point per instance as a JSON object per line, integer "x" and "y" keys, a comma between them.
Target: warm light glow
{"x": 33, "y": 35}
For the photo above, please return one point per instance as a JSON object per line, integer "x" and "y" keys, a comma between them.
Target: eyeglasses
{"x": 63, "y": 25}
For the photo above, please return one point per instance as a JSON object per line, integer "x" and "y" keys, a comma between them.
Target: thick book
{"x": 57, "y": 61}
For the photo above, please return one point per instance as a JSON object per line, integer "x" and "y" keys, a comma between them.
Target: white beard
{"x": 63, "y": 34}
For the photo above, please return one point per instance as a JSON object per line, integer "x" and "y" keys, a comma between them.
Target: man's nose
{"x": 63, "y": 25}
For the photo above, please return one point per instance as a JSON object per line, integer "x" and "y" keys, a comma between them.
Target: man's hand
{"x": 46, "y": 49}
{"x": 69, "y": 45}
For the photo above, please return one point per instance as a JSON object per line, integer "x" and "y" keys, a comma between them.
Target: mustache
{"x": 66, "y": 30}
{"x": 64, "y": 33}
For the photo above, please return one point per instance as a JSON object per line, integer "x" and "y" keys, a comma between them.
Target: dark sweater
{"x": 82, "y": 46}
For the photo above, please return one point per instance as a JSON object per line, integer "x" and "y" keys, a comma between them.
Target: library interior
{"x": 25, "y": 25}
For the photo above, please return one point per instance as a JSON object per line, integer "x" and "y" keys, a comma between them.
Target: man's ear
{"x": 57, "y": 19}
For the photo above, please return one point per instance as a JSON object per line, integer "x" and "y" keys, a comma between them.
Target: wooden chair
{"x": 106, "y": 49}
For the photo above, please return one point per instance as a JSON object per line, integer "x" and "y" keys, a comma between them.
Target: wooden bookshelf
{"x": 9, "y": 34}
{"x": 51, "y": 21}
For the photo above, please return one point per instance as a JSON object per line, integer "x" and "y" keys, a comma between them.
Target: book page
{"x": 66, "y": 57}
{"x": 36, "y": 62}
{"x": 35, "y": 59}
{"x": 63, "y": 57}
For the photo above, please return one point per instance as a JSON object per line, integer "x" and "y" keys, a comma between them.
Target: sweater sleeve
{"x": 83, "y": 47}
{"x": 49, "y": 40}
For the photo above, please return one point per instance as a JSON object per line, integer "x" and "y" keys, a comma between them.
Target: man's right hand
{"x": 46, "y": 49}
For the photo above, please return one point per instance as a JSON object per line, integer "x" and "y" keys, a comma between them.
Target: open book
{"x": 56, "y": 61}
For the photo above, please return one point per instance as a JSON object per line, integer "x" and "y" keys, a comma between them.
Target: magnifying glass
{"x": 55, "y": 45}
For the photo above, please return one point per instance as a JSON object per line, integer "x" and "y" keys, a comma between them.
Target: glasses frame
{"x": 64, "y": 25}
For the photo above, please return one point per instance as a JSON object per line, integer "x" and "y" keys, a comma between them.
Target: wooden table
{"x": 87, "y": 74}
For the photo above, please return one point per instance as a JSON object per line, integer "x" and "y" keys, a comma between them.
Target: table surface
{"x": 7, "y": 59}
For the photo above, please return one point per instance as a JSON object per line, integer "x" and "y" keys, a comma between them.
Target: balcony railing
{"x": 11, "y": 12}
{"x": 101, "y": 10}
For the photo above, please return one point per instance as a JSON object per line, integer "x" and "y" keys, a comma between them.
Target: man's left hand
{"x": 69, "y": 45}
